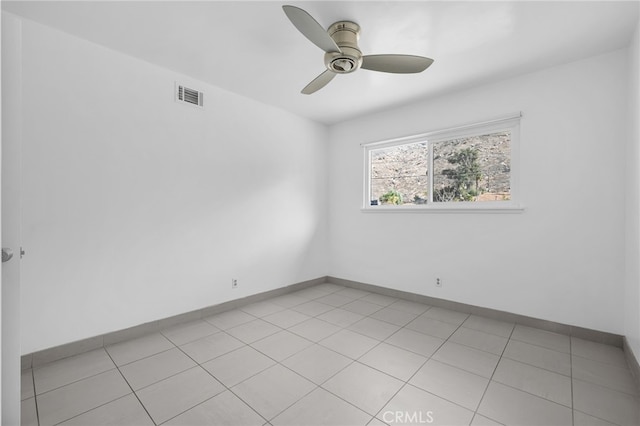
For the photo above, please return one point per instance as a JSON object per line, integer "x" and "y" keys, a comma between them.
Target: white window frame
{"x": 509, "y": 123}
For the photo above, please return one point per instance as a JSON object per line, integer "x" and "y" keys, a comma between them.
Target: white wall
{"x": 632, "y": 250}
{"x": 137, "y": 208}
{"x": 560, "y": 260}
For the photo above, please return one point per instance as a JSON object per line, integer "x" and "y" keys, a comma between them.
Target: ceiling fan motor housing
{"x": 349, "y": 59}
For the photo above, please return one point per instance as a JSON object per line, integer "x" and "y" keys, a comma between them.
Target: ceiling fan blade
{"x": 402, "y": 64}
{"x": 310, "y": 28}
{"x": 319, "y": 82}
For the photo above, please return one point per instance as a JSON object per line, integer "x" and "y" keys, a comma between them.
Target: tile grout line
{"x": 341, "y": 398}
{"x": 431, "y": 358}
{"x": 352, "y": 361}
{"x": 144, "y": 357}
{"x": 118, "y": 368}
{"x": 98, "y": 406}
{"x": 95, "y": 408}
{"x": 214, "y": 396}
{"x": 475, "y": 412}
{"x": 197, "y": 365}
{"x": 406, "y": 383}
{"x": 296, "y": 401}
{"x": 131, "y": 387}
{"x": 478, "y": 349}
{"x": 604, "y": 363}
{"x": 492, "y": 374}
{"x": 35, "y": 396}
{"x": 537, "y": 366}
{"x": 190, "y": 341}
{"x": 239, "y": 397}
{"x": 319, "y": 386}
{"x": 224, "y": 385}
{"x": 570, "y": 376}
{"x": 76, "y": 381}
{"x": 462, "y": 344}
{"x": 246, "y": 344}
{"x": 539, "y": 346}
{"x": 279, "y": 363}
{"x": 573, "y": 419}
{"x": 461, "y": 325}
{"x": 636, "y": 397}
{"x": 606, "y": 387}
{"x": 168, "y": 377}
{"x": 209, "y": 373}
{"x": 73, "y": 381}
{"x": 532, "y": 394}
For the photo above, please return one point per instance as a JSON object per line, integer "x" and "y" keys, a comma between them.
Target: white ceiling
{"x": 252, "y": 49}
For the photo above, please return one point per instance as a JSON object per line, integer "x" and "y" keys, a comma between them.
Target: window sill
{"x": 511, "y": 208}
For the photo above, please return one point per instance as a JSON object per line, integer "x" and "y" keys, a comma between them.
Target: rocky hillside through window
{"x": 473, "y": 168}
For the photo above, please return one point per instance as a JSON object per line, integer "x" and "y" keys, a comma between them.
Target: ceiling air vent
{"x": 189, "y": 96}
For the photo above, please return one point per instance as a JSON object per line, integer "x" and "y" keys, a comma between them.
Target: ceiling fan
{"x": 340, "y": 42}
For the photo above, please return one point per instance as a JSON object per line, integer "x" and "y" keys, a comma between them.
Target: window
{"x": 470, "y": 167}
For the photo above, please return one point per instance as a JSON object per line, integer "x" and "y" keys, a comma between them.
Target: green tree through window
{"x": 465, "y": 176}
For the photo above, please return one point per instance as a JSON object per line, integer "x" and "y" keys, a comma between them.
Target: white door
{"x": 10, "y": 194}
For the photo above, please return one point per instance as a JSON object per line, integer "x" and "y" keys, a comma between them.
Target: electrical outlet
{"x": 234, "y": 283}
{"x": 438, "y": 282}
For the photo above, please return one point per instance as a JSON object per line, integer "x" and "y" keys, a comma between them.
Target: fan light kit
{"x": 342, "y": 55}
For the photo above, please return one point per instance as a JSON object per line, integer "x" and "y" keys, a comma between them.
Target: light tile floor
{"x": 337, "y": 356}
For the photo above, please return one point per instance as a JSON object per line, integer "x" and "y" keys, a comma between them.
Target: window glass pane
{"x": 476, "y": 168}
{"x": 399, "y": 174}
